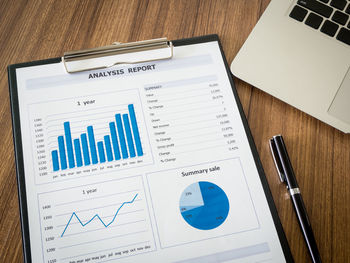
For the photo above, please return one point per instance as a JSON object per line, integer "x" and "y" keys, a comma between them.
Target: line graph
{"x": 78, "y": 223}
{"x": 97, "y": 216}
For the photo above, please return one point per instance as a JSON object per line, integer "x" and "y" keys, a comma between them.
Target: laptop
{"x": 299, "y": 52}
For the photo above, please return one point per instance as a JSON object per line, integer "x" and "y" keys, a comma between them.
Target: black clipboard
{"x": 159, "y": 43}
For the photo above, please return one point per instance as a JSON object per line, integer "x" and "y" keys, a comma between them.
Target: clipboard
{"x": 160, "y": 243}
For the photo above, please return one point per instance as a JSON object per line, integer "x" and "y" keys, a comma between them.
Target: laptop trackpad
{"x": 340, "y": 107}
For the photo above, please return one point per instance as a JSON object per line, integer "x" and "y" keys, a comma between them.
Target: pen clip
{"x": 277, "y": 161}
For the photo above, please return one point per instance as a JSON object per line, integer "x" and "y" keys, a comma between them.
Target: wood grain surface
{"x": 320, "y": 154}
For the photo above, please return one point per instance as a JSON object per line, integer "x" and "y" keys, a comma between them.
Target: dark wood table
{"x": 33, "y": 30}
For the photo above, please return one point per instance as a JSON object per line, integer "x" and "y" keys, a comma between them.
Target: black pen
{"x": 286, "y": 174}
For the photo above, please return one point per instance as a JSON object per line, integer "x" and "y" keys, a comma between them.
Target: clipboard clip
{"x": 117, "y": 53}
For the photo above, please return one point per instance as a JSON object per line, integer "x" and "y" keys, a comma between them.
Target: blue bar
{"x": 55, "y": 163}
{"x": 101, "y": 152}
{"x": 135, "y": 130}
{"x": 68, "y": 136}
{"x": 92, "y": 143}
{"x": 121, "y": 136}
{"x": 114, "y": 141}
{"x": 129, "y": 135}
{"x": 108, "y": 148}
{"x": 77, "y": 150}
{"x": 62, "y": 151}
{"x": 85, "y": 147}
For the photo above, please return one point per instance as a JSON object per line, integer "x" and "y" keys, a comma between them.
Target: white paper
{"x": 185, "y": 189}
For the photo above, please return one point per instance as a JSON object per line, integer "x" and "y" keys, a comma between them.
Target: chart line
{"x": 96, "y": 216}
{"x": 98, "y": 229}
{"x": 138, "y": 210}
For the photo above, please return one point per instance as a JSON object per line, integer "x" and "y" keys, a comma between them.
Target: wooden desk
{"x": 33, "y": 30}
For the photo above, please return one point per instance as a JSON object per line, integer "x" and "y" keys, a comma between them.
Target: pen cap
{"x": 277, "y": 160}
{"x": 285, "y": 161}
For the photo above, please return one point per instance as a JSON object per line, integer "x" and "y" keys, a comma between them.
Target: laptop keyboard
{"x": 331, "y": 17}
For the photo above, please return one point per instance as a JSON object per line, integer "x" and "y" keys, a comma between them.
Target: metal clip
{"x": 117, "y": 53}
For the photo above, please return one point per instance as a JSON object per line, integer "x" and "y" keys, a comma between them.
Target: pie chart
{"x": 204, "y": 205}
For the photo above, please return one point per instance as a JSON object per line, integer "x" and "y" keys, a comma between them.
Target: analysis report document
{"x": 145, "y": 162}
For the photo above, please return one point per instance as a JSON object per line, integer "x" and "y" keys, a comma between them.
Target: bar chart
{"x": 122, "y": 142}
{"x": 83, "y": 136}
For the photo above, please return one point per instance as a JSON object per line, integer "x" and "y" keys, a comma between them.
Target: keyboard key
{"x": 339, "y": 4}
{"x": 329, "y": 28}
{"x": 340, "y": 17}
{"x": 298, "y": 13}
{"x": 324, "y": 1}
{"x": 344, "y": 35}
{"x": 314, "y": 20}
{"x": 317, "y": 7}
{"x": 348, "y": 9}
